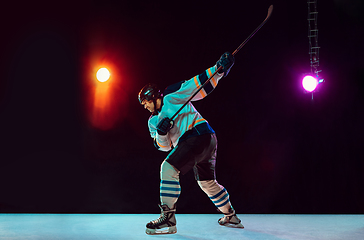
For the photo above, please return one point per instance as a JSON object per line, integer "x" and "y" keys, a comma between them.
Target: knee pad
{"x": 168, "y": 172}
{"x": 210, "y": 187}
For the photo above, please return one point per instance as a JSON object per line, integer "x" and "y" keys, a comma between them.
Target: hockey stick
{"x": 270, "y": 10}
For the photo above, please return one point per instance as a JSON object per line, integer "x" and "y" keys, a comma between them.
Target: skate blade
{"x": 169, "y": 230}
{"x": 233, "y": 225}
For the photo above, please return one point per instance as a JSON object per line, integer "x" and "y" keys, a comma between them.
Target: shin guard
{"x": 217, "y": 194}
{"x": 170, "y": 188}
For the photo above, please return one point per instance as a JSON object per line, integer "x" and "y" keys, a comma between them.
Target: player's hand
{"x": 164, "y": 126}
{"x": 226, "y": 60}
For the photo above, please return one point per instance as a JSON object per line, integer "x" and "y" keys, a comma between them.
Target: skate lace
{"x": 161, "y": 219}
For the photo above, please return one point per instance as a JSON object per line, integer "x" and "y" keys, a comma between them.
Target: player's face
{"x": 149, "y": 105}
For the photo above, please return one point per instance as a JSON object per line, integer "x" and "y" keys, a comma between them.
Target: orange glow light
{"x": 103, "y": 75}
{"x": 104, "y": 102}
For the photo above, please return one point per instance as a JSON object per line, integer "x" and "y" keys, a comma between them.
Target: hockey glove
{"x": 164, "y": 126}
{"x": 226, "y": 61}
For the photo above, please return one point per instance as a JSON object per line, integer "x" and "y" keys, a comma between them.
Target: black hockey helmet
{"x": 149, "y": 92}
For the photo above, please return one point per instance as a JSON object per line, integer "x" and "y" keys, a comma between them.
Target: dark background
{"x": 279, "y": 151}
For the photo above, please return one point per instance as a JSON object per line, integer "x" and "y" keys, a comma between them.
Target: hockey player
{"x": 192, "y": 141}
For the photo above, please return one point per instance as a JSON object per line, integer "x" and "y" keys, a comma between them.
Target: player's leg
{"x": 170, "y": 188}
{"x": 220, "y": 197}
{"x": 169, "y": 192}
{"x": 179, "y": 161}
{"x": 206, "y": 179}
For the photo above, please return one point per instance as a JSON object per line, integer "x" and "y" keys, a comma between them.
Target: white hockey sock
{"x": 217, "y": 193}
{"x": 170, "y": 188}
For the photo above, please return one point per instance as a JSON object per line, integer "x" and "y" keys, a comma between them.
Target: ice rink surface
{"x": 189, "y": 226}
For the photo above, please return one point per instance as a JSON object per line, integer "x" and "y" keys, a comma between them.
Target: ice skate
{"x": 231, "y": 220}
{"x": 165, "y": 224}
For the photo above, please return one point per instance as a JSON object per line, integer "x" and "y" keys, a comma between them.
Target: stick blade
{"x": 270, "y": 10}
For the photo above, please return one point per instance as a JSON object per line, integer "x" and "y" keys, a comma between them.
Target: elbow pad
{"x": 155, "y": 143}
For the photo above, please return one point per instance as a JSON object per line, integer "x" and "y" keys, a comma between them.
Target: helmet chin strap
{"x": 155, "y": 106}
{"x": 155, "y": 112}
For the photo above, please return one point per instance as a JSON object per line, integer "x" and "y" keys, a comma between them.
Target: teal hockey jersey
{"x": 189, "y": 121}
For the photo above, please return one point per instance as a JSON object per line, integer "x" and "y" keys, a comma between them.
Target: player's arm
{"x": 226, "y": 61}
{"x": 186, "y": 88}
